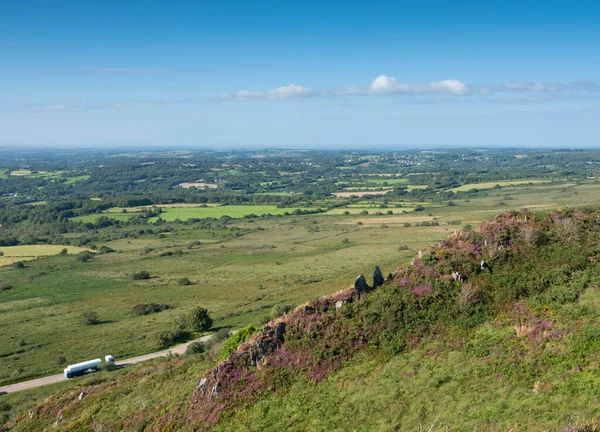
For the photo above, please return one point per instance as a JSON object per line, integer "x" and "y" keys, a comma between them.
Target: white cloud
{"x": 446, "y": 89}
{"x": 450, "y": 86}
{"x": 291, "y": 91}
{"x": 383, "y": 83}
{"x": 388, "y": 84}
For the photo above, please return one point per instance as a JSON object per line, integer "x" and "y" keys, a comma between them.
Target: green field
{"x": 492, "y": 184}
{"x": 29, "y": 252}
{"x": 71, "y": 177}
{"x": 196, "y": 211}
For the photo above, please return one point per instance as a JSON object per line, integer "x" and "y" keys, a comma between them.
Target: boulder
{"x": 377, "y": 278}
{"x": 360, "y": 286}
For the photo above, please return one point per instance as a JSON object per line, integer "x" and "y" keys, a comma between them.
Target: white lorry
{"x": 78, "y": 369}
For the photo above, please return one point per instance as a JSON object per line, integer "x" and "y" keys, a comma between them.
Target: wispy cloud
{"x": 125, "y": 70}
{"x": 388, "y": 84}
{"x": 443, "y": 90}
{"x": 291, "y": 91}
{"x": 438, "y": 92}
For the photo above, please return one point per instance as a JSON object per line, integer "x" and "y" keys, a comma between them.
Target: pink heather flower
{"x": 421, "y": 291}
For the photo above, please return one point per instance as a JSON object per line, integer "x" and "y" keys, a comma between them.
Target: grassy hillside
{"x": 491, "y": 329}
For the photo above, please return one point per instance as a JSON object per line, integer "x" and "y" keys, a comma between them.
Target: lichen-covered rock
{"x": 377, "y": 278}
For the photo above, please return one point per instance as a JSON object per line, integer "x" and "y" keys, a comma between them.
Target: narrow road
{"x": 177, "y": 349}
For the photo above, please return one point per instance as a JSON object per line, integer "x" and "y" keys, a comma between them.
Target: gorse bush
{"x": 232, "y": 342}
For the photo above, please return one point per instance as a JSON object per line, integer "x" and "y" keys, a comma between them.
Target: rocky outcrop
{"x": 378, "y": 279}
{"x": 360, "y": 286}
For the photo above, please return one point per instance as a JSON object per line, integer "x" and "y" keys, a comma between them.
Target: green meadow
{"x": 170, "y": 213}
{"x": 10, "y": 254}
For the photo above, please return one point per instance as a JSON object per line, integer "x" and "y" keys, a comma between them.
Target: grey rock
{"x": 280, "y": 329}
{"x": 339, "y": 304}
{"x": 456, "y": 276}
{"x": 82, "y": 395}
{"x": 377, "y": 278}
{"x": 201, "y": 386}
{"x": 360, "y": 286}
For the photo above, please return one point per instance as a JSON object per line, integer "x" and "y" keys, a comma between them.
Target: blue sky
{"x": 403, "y": 74}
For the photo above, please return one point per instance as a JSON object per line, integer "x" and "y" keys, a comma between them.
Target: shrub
{"x": 90, "y": 318}
{"x": 141, "y": 275}
{"x": 419, "y": 208}
{"x": 64, "y": 252}
{"x": 200, "y": 320}
{"x": 184, "y": 281}
{"x": 165, "y": 339}
{"x": 280, "y": 310}
{"x": 5, "y": 286}
{"x": 216, "y": 339}
{"x": 234, "y": 341}
{"x": 171, "y": 252}
{"x": 568, "y": 231}
{"x": 84, "y": 256}
{"x": 195, "y": 348}
{"x": 105, "y": 249}
{"x": 403, "y": 247}
{"x": 149, "y": 308}
{"x": 18, "y": 265}
{"x": 61, "y": 359}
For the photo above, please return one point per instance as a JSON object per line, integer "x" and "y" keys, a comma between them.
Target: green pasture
{"x": 11, "y": 254}
{"x": 196, "y": 211}
{"x": 492, "y": 184}
{"x": 233, "y": 211}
